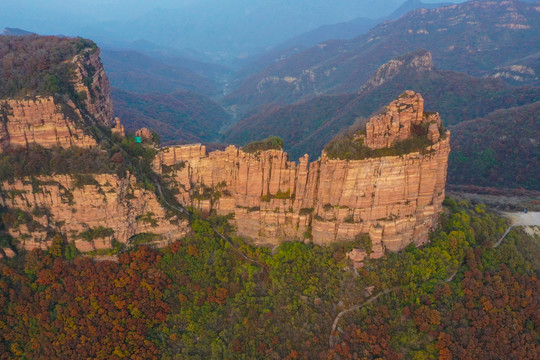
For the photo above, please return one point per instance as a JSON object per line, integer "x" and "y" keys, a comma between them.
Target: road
{"x": 524, "y": 219}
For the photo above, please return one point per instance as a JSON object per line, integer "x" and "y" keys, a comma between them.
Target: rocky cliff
{"x": 56, "y": 121}
{"x": 398, "y": 121}
{"x": 394, "y": 199}
{"x": 90, "y": 210}
{"x": 41, "y": 121}
{"x": 91, "y": 79}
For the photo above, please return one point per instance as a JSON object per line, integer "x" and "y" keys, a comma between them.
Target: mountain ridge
{"x": 485, "y": 36}
{"x": 307, "y": 125}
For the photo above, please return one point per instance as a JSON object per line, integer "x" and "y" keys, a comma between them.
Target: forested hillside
{"x": 307, "y": 126}
{"x": 207, "y": 297}
{"x": 501, "y": 149}
{"x": 38, "y": 65}
{"x": 478, "y": 38}
{"x": 179, "y": 117}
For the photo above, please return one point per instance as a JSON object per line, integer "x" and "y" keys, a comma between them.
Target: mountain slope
{"x": 307, "y": 126}
{"x": 475, "y": 38}
{"x": 184, "y": 116}
{"x": 135, "y": 72}
{"x": 501, "y": 149}
{"x": 15, "y": 32}
{"x": 237, "y": 26}
{"x": 355, "y": 27}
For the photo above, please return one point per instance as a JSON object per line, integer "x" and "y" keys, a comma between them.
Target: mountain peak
{"x": 417, "y": 61}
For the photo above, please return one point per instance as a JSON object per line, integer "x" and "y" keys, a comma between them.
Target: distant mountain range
{"x": 15, "y": 32}
{"x": 236, "y": 26}
{"x": 307, "y": 126}
{"x": 476, "y": 38}
{"x": 342, "y": 31}
{"x": 355, "y": 27}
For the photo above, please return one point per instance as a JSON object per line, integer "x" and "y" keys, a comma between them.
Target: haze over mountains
{"x": 478, "y": 38}
{"x": 314, "y": 77}
{"x": 219, "y": 27}
{"x": 307, "y": 126}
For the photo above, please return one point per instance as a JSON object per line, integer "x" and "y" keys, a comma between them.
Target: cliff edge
{"x": 62, "y": 172}
{"x": 396, "y": 199}
{"x": 54, "y": 99}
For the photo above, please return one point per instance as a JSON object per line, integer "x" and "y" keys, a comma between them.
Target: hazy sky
{"x": 204, "y": 25}
{"x": 93, "y": 9}
{"x": 58, "y": 14}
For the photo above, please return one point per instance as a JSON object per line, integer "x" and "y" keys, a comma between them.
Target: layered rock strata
{"x": 91, "y": 216}
{"x": 394, "y": 199}
{"x": 397, "y": 121}
{"x": 91, "y": 79}
{"x": 49, "y": 122}
{"x": 90, "y": 210}
{"x": 40, "y": 121}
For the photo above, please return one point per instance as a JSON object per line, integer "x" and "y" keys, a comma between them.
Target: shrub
{"x": 306, "y": 211}
{"x": 143, "y": 238}
{"x": 279, "y": 195}
{"x": 270, "y": 143}
{"x": 82, "y": 180}
{"x": 36, "y": 160}
{"x": 96, "y": 233}
{"x": 348, "y": 146}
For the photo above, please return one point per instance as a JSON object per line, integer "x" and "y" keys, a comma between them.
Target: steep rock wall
{"x": 49, "y": 122}
{"x": 57, "y": 203}
{"x": 91, "y": 78}
{"x": 40, "y": 121}
{"x": 394, "y": 199}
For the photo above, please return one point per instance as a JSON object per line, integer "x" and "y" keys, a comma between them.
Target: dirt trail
{"x": 517, "y": 218}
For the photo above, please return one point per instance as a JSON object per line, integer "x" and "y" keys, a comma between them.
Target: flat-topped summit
{"x": 52, "y": 92}
{"x": 394, "y": 199}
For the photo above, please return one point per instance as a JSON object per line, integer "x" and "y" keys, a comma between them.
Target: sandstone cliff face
{"x": 394, "y": 199}
{"x": 397, "y": 121}
{"x": 48, "y": 122}
{"x": 40, "y": 121}
{"x": 91, "y": 78}
{"x": 119, "y": 206}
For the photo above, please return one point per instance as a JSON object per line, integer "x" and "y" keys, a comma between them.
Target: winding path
{"x": 356, "y": 307}
{"x": 331, "y": 339}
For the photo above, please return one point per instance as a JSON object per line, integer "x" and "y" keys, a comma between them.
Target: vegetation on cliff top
{"x": 38, "y": 65}
{"x": 348, "y": 146}
{"x": 270, "y": 143}
{"x": 204, "y": 297}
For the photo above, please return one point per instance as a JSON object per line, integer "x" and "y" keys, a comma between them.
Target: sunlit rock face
{"x": 53, "y": 122}
{"x": 120, "y": 207}
{"x": 394, "y": 199}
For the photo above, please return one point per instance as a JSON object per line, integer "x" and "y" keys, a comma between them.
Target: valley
{"x": 270, "y": 180}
